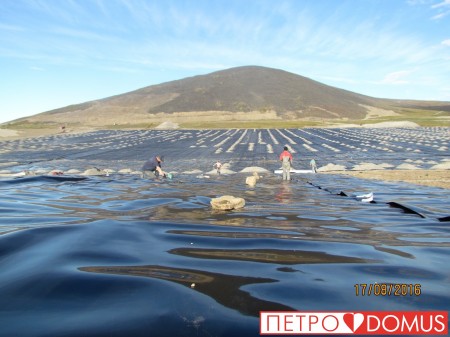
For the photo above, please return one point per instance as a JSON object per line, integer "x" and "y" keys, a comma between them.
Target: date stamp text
{"x": 388, "y": 289}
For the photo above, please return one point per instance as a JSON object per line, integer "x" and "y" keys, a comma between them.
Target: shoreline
{"x": 420, "y": 177}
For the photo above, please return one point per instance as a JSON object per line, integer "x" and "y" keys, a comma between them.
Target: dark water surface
{"x": 125, "y": 256}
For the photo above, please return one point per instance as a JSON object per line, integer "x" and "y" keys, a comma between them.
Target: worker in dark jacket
{"x": 152, "y": 167}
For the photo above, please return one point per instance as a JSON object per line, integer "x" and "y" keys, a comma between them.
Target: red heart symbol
{"x": 348, "y": 319}
{"x": 353, "y": 321}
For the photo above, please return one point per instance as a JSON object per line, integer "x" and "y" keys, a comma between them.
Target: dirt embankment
{"x": 436, "y": 178}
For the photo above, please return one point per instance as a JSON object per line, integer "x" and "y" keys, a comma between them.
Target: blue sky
{"x": 54, "y": 53}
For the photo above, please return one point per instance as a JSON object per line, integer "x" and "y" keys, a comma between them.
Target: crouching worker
{"x": 152, "y": 167}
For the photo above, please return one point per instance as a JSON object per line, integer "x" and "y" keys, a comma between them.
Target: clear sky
{"x": 54, "y": 53}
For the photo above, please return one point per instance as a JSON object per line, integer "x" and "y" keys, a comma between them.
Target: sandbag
{"x": 227, "y": 203}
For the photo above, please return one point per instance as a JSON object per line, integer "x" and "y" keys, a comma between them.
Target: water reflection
{"x": 225, "y": 289}
{"x": 284, "y": 195}
{"x": 268, "y": 256}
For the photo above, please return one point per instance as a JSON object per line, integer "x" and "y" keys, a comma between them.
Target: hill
{"x": 249, "y": 93}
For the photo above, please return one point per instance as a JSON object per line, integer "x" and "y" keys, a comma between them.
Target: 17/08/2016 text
{"x": 388, "y": 289}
